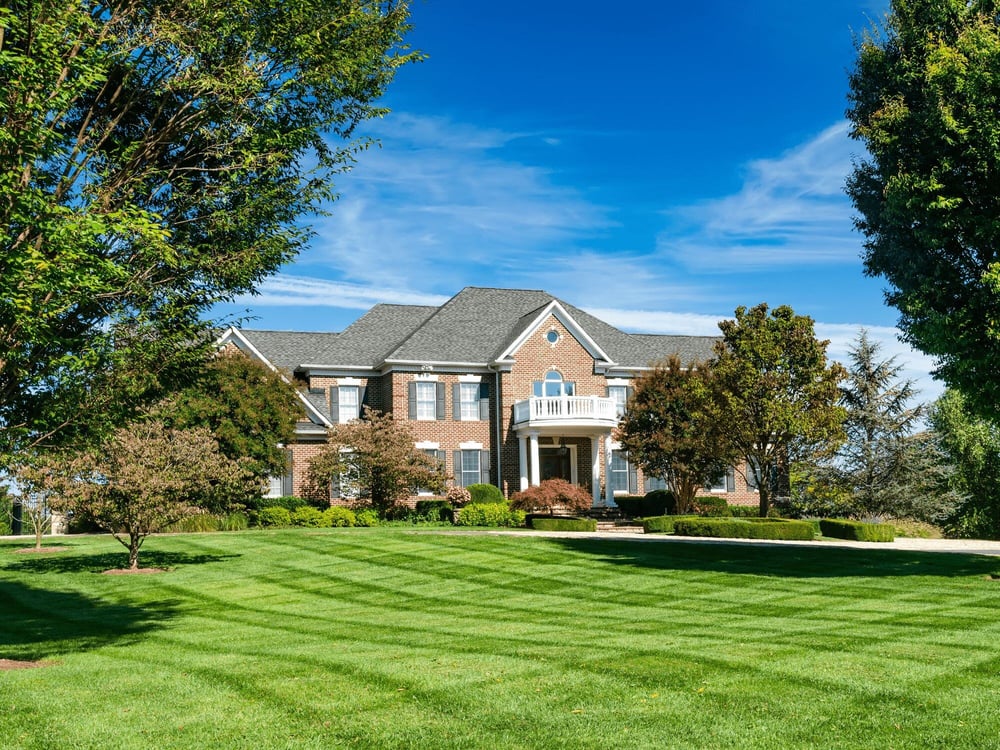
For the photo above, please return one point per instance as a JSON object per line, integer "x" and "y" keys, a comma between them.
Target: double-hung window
{"x": 618, "y": 394}
{"x": 426, "y": 400}
{"x": 469, "y": 401}
{"x": 621, "y": 478}
{"x": 349, "y": 406}
{"x": 470, "y": 471}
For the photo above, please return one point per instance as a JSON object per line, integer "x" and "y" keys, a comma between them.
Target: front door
{"x": 553, "y": 463}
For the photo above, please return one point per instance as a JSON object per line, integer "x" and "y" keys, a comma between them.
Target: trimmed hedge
{"x": 745, "y": 528}
{"x": 489, "y": 514}
{"x": 744, "y": 511}
{"x": 711, "y": 505}
{"x": 485, "y": 493}
{"x": 857, "y": 531}
{"x": 661, "y": 524}
{"x": 564, "y": 524}
{"x": 655, "y": 503}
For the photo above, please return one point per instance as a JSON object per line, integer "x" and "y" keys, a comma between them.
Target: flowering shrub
{"x": 458, "y": 496}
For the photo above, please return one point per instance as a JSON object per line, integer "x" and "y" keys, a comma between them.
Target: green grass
{"x": 392, "y": 638}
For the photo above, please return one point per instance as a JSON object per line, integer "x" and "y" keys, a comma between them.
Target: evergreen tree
{"x": 872, "y": 463}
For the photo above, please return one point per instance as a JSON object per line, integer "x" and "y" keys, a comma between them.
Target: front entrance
{"x": 554, "y": 463}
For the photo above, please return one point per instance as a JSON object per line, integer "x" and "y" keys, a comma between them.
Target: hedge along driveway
{"x": 390, "y": 638}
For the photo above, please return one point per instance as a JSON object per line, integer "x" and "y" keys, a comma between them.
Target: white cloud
{"x": 286, "y": 290}
{"x": 790, "y": 210}
{"x": 443, "y": 202}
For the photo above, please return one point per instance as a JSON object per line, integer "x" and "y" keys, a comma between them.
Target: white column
{"x": 536, "y": 475}
{"x": 595, "y": 466}
{"x": 522, "y": 451}
{"x": 609, "y": 493}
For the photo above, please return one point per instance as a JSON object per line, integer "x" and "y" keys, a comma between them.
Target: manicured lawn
{"x": 391, "y": 638}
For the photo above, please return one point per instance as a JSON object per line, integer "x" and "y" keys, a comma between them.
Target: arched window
{"x": 554, "y": 385}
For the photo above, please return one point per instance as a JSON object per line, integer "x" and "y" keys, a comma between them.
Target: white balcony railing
{"x": 582, "y": 409}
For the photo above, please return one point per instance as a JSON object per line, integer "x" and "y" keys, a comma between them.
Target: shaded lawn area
{"x": 391, "y": 638}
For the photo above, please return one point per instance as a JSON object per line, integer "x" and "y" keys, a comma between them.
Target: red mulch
{"x": 130, "y": 571}
{"x": 6, "y": 664}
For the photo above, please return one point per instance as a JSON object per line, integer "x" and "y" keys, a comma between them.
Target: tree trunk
{"x": 133, "y": 552}
{"x": 764, "y": 493}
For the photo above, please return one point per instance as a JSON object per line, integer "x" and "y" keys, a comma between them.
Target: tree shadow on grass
{"x": 791, "y": 561}
{"x": 41, "y": 624}
{"x": 98, "y": 563}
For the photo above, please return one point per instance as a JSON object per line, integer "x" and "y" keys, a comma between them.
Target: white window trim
{"x": 426, "y": 445}
{"x": 426, "y": 376}
{"x": 470, "y": 378}
{"x": 350, "y": 381}
{"x": 470, "y": 446}
{"x": 433, "y": 402}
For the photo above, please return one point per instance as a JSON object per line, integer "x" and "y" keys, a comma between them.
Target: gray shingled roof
{"x": 474, "y": 326}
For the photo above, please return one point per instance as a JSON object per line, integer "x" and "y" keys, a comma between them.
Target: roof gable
{"x": 554, "y": 309}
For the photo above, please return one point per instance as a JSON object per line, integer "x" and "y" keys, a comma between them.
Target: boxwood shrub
{"x": 745, "y": 528}
{"x": 366, "y": 517}
{"x": 337, "y": 516}
{"x": 711, "y": 505}
{"x": 274, "y": 515}
{"x": 306, "y": 515}
{"x": 857, "y": 531}
{"x": 485, "y": 493}
{"x": 661, "y": 524}
{"x": 489, "y": 514}
{"x": 744, "y": 511}
{"x": 563, "y": 524}
{"x": 655, "y": 503}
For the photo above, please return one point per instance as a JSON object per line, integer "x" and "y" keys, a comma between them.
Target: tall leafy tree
{"x": 669, "y": 429}
{"x": 775, "y": 395}
{"x": 378, "y": 456}
{"x": 872, "y": 463}
{"x": 973, "y": 445}
{"x": 923, "y": 100}
{"x": 155, "y": 159}
{"x": 250, "y": 410}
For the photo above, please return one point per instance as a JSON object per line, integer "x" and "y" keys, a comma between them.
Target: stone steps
{"x": 619, "y": 528}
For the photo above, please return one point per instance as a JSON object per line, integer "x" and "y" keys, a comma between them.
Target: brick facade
{"x": 551, "y": 343}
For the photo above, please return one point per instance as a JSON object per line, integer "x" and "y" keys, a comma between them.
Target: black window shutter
{"x": 411, "y": 393}
{"x": 334, "y": 404}
{"x": 730, "y": 479}
{"x": 484, "y": 401}
{"x": 335, "y": 486}
{"x": 484, "y": 467}
{"x": 456, "y": 463}
{"x": 440, "y": 400}
{"x": 362, "y": 395}
{"x": 456, "y": 401}
{"x": 633, "y": 478}
{"x": 629, "y": 390}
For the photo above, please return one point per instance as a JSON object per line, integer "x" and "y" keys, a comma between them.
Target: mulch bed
{"x": 7, "y": 664}
{"x": 130, "y": 571}
{"x": 39, "y": 550}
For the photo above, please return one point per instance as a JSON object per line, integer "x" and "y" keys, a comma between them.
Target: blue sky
{"x": 655, "y": 163}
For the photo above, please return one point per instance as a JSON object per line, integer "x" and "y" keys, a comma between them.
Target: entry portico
{"x": 557, "y": 418}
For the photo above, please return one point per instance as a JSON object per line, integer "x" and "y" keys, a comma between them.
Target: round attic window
{"x": 552, "y": 337}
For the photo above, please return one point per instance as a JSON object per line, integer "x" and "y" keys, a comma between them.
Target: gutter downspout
{"x": 496, "y": 377}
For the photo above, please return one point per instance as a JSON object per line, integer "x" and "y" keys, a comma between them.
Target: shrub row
{"x": 485, "y": 493}
{"x": 489, "y": 514}
{"x": 745, "y": 528}
{"x": 856, "y": 530}
{"x": 564, "y": 524}
{"x": 310, "y": 517}
{"x": 201, "y": 522}
{"x": 655, "y": 503}
{"x": 435, "y": 510}
{"x": 662, "y": 524}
